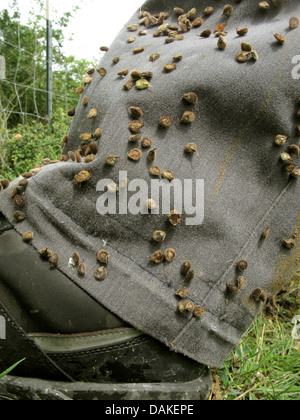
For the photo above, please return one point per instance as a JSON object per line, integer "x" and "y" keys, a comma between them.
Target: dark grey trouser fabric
{"x": 241, "y": 108}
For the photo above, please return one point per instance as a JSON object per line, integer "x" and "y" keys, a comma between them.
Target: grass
{"x": 266, "y": 363}
{"x": 7, "y": 371}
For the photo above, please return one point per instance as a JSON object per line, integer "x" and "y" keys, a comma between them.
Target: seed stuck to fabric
{"x": 81, "y": 177}
{"x": 190, "y": 148}
{"x": 146, "y": 142}
{"x": 222, "y": 43}
{"x": 159, "y": 236}
{"x": 175, "y": 217}
{"x": 154, "y": 57}
{"x": 266, "y": 233}
{"x": 151, "y": 204}
{"x": 115, "y": 60}
{"x": 85, "y": 101}
{"x": 185, "y": 267}
{"x": 190, "y": 98}
{"x": 264, "y": 5}
{"x": 206, "y": 33}
{"x": 165, "y": 121}
{"x": 138, "y": 50}
{"x": 286, "y": 157}
{"x": 76, "y": 258}
{"x": 168, "y": 174}
{"x": 28, "y": 236}
{"x": 256, "y": 294}
{"x": 168, "y": 68}
{"x": 170, "y": 254}
{"x": 242, "y": 265}
{"x": 111, "y": 160}
{"x": 208, "y": 11}
{"x": 197, "y": 22}
{"x": 228, "y": 10}
{"x": 129, "y": 85}
{"x": 246, "y": 46}
{"x": 123, "y": 72}
{"x": 131, "y": 39}
{"x": 280, "y": 39}
{"x": 158, "y": 257}
{"x": 92, "y": 114}
{"x": 135, "y": 126}
{"x": 4, "y": 183}
{"x": 190, "y": 276}
{"x": 54, "y": 260}
{"x": 178, "y": 57}
{"x": 135, "y": 155}
{"x": 232, "y": 288}
{"x": 19, "y": 201}
{"x": 152, "y": 155}
{"x": 294, "y": 23}
{"x": 18, "y": 216}
{"x": 294, "y": 149}
{"x": 289, "y": 243}
{"x": 102, "y": 71}
{"x": 188, "y": 117}
{"x": 296, "y": 173}
{"x": 100, "y": 273}
{"x": 71, "y": 155}
{"x": 241, "y": 282}
{"x": 103, "y": 256}
{"x": 280, "y": 140}
{"x": 155, "y": 171}
{"x": 23, "y": 183}
{"x": 136, "y": 112}
{"x": 189, "y": 306}
{"x": 45, "y": 253}
{"x": 199, "y": 311}
{"x": 82, "y": 269}
{"x": 178, "y": 11}
{"x": 87, "y": 80}
{"x": 135, "y": 138}
{"x": 142, "y": 84}
{"x": 79, "y": 90}
{"x": 132, "y": 28}
{"x": 242, "y": 31}
{"x": 183, "y": 292}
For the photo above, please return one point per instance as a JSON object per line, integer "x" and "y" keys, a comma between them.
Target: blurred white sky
{"x": 92, "y": 26}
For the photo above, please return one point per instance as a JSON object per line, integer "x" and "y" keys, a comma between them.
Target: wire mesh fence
{"x": 23, "y": 78}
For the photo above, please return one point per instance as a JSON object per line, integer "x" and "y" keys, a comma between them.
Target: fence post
{"x": 49, "y": 62}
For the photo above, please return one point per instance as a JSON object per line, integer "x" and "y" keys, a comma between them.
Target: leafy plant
{"x": 7, "y": 371}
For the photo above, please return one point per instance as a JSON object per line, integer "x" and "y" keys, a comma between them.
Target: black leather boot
{"x": 73, "y": 347}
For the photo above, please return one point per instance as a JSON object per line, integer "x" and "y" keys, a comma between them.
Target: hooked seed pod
{"x": 111, "y": 160}
{"x": 199, "y": 311}
{"x": 232, "y": 288}
{"x": 206, "y": 33}
{"x": 167, "y": 174}
{"x": 135, "y": 155}
{"x": 222, "y": 43}
{"x": 294, "y": 23}
{"x": 76, "y": 258}
{"x": 102, "y": 71}
{"x": 138, "y": 50}
{"x": 175, "y": 217}
{"x": 190, "y": 148}
{"x": 154, "y": 57}
{"x": 256, "y": 294}
{"x": 168, "y": 68}
{"x": 151, "y": 155}
{"x": 157, "y": 257}
{"x": 129, "y": 85}
{"x": 103, "y": 256}
{"x": 242, "y": 31}
{"x": 170, "y": 254}
{"x": 4, "y": 183}
{"x": 142, "y": 84}
{"x": 146, "y": 142}
{"x": 28, "y": 236}
{"x": 190, "y": 98}
{"x": 165, "y": 121}
{"x": 19, "y": 201}
{"x": 123, "y": 72}
{"x": 266, "y": 233}
{"x": 183, "y": 292}
{"x": 18, "y": 216}
{"x": 159, "y": 236}
{"x": 185, "y": 267}
{"x": 92, "y": 114}
{"x": 289, "y": 243}
{"x": 81, "y": 177}
{"x": 280, "y": 39}
{"x": 82, "y": 269}
{"x": 135, "y": 126}
{"x": 136, "y": 112}
{"x": 228, "y": 10}
{"x": 134, "y": 138}
{"x": 242, "y": 265}
{"x": 188, "y": 117}
{"x": 100, "y": 273}
{"x": 54, "y": 260}
{"x": 45, "y": 253}
{"x": 264, "y": 5}
{"x": 190, "y": 276}
{"x": 280, "y": 140}
{"x": 155, "y": 171}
